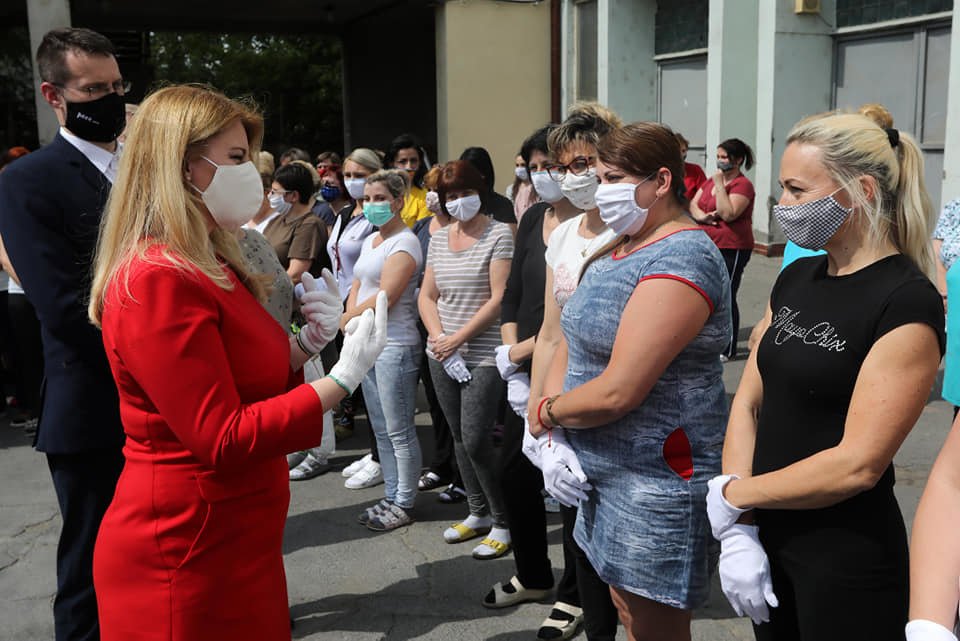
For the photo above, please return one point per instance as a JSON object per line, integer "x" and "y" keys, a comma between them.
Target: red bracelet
{"x": 543, "y": 402}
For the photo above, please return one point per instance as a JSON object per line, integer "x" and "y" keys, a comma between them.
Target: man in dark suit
{"x": 50, "y": 207}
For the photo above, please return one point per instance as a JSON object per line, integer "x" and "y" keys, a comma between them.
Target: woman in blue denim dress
{"x": 643, "y": 400}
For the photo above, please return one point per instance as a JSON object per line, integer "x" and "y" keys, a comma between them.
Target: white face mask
{"x": 522, "y": 174}
{"x": 581, "y": 190}
{"x": 463, "y": 209}
{"x": 279, "y": 205}
{"x": 355, "y": 187}
{"x": 235, "y": 194}
{"x": 619, "y": 209}
{"x": 547, "y": 188}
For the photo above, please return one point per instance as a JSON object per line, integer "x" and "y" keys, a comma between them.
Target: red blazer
{"x": 190, "y": 547}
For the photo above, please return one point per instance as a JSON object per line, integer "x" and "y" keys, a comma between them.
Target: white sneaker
{"x": 356, "y": 466}
{"x": 370, "y": 475}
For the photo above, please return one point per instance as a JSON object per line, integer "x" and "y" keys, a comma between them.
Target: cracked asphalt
{"x": 347, "y": 583}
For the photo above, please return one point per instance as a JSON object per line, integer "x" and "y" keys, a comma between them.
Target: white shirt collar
{"x": 102, "y": 159}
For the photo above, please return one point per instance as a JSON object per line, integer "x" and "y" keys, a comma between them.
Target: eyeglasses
{"x": 578, "y": 167}
{"x": 120, "y": 87}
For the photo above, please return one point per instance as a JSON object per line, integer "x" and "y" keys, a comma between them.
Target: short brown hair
{"x": 460, "y": 175}
{"x": 52, "y": 52}
{"x": 641, "y": 148}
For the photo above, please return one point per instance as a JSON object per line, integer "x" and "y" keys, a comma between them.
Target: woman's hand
{"x": 444, "y": 346}
{"x": 536, "y": 428}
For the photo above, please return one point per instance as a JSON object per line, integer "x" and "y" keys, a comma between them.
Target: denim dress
{"x": 644, "y": 527}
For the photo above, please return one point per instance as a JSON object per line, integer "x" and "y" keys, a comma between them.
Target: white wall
{"x": 951, "y": 152}
{"x": 794, "y": 79}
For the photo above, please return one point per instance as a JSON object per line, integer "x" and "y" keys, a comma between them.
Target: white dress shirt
{"x": 102, "y": 159}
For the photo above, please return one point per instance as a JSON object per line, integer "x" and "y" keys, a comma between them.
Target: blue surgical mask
{"x": 378, "y": 213}
{"x": 329, "y": 193}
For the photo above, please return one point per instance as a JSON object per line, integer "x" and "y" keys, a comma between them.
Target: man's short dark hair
{"x": 52, "y": 52}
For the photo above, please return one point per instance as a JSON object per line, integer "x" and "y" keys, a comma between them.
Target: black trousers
{"x": 84, "y": 483}
{"x": 27, "y": 352}
{"x": 736, "y": 260}
{"x": 600, "y": 617}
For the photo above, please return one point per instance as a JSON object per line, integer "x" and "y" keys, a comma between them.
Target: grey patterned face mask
{"x": 810, "y": 225}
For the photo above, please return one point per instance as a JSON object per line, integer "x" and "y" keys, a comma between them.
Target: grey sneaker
{"x": 372, "y": 511}
{"x": 390, "y": 518}
{"x": 309, "y": 468}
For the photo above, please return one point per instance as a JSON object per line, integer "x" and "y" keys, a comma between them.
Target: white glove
{"x": 432, "y": 200}
{"x": 518, "y": 392}
{"x": 923, "y": 630}
{"x": 563, "y": 478}
{"x": 364, "y": 338}
{"x": 722, "y": 515}
{"x": 745, "y": 573}
{"x": 456, "y": 368}
{"x": 506, "y": 367}
{"x": 531, "y": 443}
{"x": 322, "y": 308}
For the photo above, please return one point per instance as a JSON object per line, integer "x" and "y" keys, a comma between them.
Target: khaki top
{"x": 303, "y": 237}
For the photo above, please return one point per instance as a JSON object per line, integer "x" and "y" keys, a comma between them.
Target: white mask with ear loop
{"x": 235, "y": 194}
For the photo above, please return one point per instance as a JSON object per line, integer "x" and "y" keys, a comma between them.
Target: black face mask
{"x": 100, "y": 120}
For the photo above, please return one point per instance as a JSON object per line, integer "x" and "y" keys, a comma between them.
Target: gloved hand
{"x": 456, "y": 368}
{"x": 563, "y": 478}
{"x": 322, "y": 308}
{"x": 531, "y": 443}
{"x": 923, "y": 630}
{"x": 506, "y": 367}
{"x": 432, "y": 201}
{"x": 722, "y": 515}
{"x": 365, "y": 337}
{"x": 745, "y": 573}
{"x": 518, "y": 392}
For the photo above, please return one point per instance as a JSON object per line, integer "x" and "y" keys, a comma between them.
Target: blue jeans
{"x": 391, "y": 417}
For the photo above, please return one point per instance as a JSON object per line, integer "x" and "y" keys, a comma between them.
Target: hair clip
{"x": 893, "y": 136}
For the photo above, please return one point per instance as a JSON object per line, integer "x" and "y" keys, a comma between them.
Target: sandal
{"x": 429, "y": 481}
{"x": 563, "y": 622}
{"x": 490, "y": 549}
{"x": 458, "y": 532}
{"x": 452, "y": 494}
{"x": 502, "y": 596}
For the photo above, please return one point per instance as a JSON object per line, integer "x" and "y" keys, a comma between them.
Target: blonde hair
{"x": 367, "y": 158}
{"x": 586, "y": 123}
{"x": 852, "y": 146}
{"x": 395, "y": 180}
{"x": 264, "y": 162}
{"x": 152, "y": 203}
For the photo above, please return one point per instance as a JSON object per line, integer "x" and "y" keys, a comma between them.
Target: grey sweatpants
{"x": 471, "y": 409}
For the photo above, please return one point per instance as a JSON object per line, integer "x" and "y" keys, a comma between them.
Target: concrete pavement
{"x": 348, "y": 583}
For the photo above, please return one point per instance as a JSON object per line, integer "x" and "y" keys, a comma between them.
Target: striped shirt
{"x": 463, "y": 278}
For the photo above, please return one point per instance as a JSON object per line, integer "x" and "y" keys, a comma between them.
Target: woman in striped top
{"x": 467, "y": 267}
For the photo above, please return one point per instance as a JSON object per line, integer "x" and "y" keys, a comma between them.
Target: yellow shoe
{"x": 458, "y": 532}
{"x": 490, "y": 549}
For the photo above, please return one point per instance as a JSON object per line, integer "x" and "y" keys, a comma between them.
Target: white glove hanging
{"x": 563, "y": 478}
{"x": 531, "y": 444}
{"x": 745, "y": 573}
{"x": 721, "y": 513}
{"x": 506, "y": 367}
{"x": 518, "y": 392}
{"x": 364, "y": 338}
{"x": 923, "y": 630}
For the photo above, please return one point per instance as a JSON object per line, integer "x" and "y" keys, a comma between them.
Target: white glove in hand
{"x": 563, "y": 478}
{"x": 722, "y": 515}
{"x": 364, "y": 338}
{"x": 322, "y": 308}
{"x": 531, "y": 443}
{"x": 745, "y": 573}
{"x": 518, "y": 392}
{"x": 506, "y": 367}
{"x": 923, "y": 630}
{"x": 456, "y": 368}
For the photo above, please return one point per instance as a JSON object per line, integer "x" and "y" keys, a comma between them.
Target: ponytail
{"x": 914, "y": 216}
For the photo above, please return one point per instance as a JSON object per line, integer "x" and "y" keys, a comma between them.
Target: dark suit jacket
{"x": 50, "y": 207}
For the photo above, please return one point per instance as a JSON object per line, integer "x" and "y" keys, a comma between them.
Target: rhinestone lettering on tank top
{"x": 821, "y": 334}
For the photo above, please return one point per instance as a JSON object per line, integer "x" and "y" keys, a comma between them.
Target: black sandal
{"x": 452, "y": 494}
{"x": 430, "y": 481}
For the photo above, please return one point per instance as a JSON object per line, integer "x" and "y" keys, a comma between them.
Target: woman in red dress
{"x": 211, "y": 394}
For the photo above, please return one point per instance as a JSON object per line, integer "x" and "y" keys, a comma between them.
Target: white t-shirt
{"x": 344, "y": 249}
{"x": 402, "y": 320}
{"x": 259, "y": 227}
{"x": 567, "y": 251}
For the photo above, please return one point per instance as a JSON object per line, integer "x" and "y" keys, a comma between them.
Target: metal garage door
{"x": 906, "y": 71}
{"x": 683, "y": 103}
